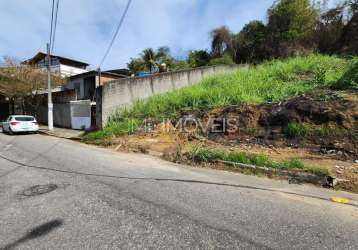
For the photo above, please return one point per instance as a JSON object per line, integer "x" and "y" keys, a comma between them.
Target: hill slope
{"x": 269, "y": 82}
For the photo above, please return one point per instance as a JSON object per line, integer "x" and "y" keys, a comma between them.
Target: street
{"x": 61, "y": 194}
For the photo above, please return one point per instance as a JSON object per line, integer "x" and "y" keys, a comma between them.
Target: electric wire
{"x": 116, "y": 32}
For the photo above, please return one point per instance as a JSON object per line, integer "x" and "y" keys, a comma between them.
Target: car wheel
{"x": 10, "y": 131}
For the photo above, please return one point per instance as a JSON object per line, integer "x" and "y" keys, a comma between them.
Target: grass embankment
{"x": 270, "y": 81}
{"x": 204, "y": 154}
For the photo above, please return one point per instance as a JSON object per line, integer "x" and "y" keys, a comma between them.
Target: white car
{"x": 20, "y": 123}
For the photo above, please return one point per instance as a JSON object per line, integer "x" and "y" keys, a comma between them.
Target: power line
{"x": 55, "y": 26}
{"x": 116, "y": 33}
{"x": 52, "y": 11}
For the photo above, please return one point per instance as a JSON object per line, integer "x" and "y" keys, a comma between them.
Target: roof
{"x": 94, "y": 73}
{"x": 39, "y": 56}
{"x": 119, "y": 71}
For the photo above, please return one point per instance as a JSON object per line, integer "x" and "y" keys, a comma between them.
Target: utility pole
{"x": 99, "y": 77}
{"x": 49, "y": 93}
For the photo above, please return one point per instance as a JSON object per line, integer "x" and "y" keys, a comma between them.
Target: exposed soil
{"x": 262, "y": 131}
{"x": 330, "y": 116}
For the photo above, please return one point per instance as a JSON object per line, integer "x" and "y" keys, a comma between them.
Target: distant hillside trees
{"x": 199, "y": 58}
{"x": 293, "y": 27}
{"x": 251, "y": 43}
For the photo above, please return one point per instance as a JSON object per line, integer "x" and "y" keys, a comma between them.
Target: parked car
{"x": 20, "y": 123}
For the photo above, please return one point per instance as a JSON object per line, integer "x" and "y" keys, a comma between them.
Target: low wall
{"x": 74, "y": 114}
{"x": 122, "y": 93}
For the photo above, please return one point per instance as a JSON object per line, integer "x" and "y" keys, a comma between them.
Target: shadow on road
{"x": 36, "y": 232}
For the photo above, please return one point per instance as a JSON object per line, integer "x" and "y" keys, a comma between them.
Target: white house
{"x": 64, "y": 66}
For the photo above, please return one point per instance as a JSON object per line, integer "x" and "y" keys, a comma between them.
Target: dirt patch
{"x": 325, "y": 121}
{"x": 324, "y": 134}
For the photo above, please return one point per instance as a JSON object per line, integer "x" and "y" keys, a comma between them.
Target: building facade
{"x": 62, "y": 66}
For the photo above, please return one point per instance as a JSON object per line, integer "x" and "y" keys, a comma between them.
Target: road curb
{"x": 48, "y": 133}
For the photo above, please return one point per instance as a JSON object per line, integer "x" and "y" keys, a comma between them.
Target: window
{"x": 24, "y": 118}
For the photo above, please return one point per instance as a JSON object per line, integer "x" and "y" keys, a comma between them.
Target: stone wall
{"x": 122, "y": 93}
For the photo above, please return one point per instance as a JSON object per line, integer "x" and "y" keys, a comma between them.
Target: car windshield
{"x": 24, "y": 118}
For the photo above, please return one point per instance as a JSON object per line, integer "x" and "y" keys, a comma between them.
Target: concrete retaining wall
{"x": 122, "y": 93}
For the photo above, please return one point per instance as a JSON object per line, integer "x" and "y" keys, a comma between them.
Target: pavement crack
{"x": 171, "y": 180}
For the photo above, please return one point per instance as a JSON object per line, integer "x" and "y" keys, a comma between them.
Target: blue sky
{"x": 85, "y": 27}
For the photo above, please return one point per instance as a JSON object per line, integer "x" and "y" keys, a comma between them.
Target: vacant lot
{"x": 304, "y": 103}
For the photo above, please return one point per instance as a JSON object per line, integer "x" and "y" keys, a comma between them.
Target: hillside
{"x": 269, "y": 82}
{"x": 305, "y": 107}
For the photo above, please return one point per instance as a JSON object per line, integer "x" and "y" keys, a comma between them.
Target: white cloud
{"x": 85, "y": 27}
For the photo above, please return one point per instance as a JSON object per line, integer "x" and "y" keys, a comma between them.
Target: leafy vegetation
{"x": 294, "y": 27}
{"x": 350, "y": 77}
{"x": 151, "y": 60}
{"x": 19, "y": 80}
{"x": 125, "y": 126}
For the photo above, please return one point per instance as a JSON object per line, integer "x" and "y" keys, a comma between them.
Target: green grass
{"x": 200, "y": 153}
{"x": 350, "y": 77}
{"x": 125, "y": 126}
{"x": 295, "y": 130}
{"x": 270, "y": 81}
{"x": 301, "y": 130}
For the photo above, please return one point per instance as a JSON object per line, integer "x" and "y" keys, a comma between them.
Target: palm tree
{"x": 157, "y": 60}
{"x": 149, "y": 58}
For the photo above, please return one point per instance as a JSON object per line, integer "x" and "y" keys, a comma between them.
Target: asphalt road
{"x": 59, "y": 194}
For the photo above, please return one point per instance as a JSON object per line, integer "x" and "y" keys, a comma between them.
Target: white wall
{"x": 80, "y": 114}
{"x": 70, "y": 71}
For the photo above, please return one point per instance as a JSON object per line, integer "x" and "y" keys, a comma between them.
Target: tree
{"x": 224, "y": 60}
{"x": 199, "y": 58}
{"x": 179, "y": 65}
{"x": 136, "y": 65}
{"x": 152, "y": 61}
{"x": 251, "y": 42}
{"x": 337, "y": 30}
{"x": 330, "y": 28}
{"x": 291, "y": 26}
{"x": 24, "y": 83}
{"x": 149, "y": 58}
{"x": 222, "y": 42}
{"x": 348, "y": 42}
{"x": 20, "y": 80}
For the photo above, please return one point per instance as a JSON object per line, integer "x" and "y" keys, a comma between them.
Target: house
{"x": 85, "y": 84}
{"x": 75, "y": 102}
{"x": 63, "y": 66}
